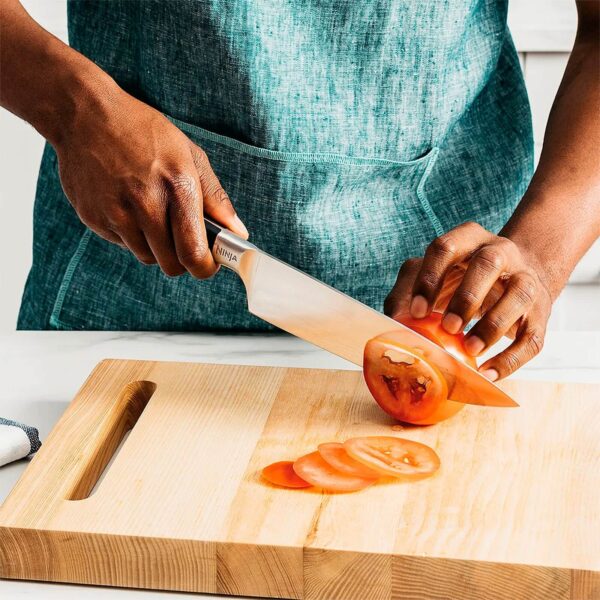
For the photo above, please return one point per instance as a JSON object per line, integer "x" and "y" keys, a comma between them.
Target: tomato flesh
{"x": 404, "y": 459}
{"x": 430, "y": 409}
{"x": 282, "y": 474}
{"x": 314, "y": 469}
{"x": 403, "y": 383}
{"x": 335, "y": 454}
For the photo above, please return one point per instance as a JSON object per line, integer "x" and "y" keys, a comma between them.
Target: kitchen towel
{"x": 17, "y": 441}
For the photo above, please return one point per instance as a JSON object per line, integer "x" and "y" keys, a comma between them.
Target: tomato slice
{"x": 282, "y": 474}
{"x": 334, "y": 454}
{"x": 431, "y": 328}
{"x": 393, "y": 456}
{"x": 402, "y": 382}
{"x": 314, "y": 469}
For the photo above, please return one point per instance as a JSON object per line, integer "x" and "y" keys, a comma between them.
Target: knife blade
{"x": 318, "y": 313}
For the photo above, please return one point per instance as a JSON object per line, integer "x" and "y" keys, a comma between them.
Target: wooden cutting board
{"x": 514, "y": 512}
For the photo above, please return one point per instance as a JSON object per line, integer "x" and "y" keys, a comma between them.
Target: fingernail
{"x": 418, "y": 307}
{"x": 491, "y": 374}
{"x": 452, "y": 323}
{"x": 474, "y": 345}
{"x": 240, "y": 227}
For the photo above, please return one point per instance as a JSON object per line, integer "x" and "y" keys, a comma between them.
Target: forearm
{"x": 559, "y": 216}
{"x": 42, "y": 80}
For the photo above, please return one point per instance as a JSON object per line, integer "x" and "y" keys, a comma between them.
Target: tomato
{"x": 282, "y": 474}
{"x": 334, "y": 454}
{"x": 431, "y": 328}
{"x": 403, "y": 382}
{"x": 397, "y": 457}
{"x": 313, "y": 468}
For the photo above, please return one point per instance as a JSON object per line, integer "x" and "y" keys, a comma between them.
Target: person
{"x": 347, "y": 135}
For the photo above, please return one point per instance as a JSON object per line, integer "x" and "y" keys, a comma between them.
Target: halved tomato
{"x": 335, "y": 454}
{"x": 282, "y": 474}
{"x": 431, "y": 328}
{"x": 314, "y": 469}
{"x": 397, "y": 457}
{"x": 403, "y": 382}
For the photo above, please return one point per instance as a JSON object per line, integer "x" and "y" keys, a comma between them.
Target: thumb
{"x": 216, "y": 202}
{"x": 398, "y": 301}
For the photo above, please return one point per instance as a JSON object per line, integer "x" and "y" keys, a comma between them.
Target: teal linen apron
{"x": 347, "y": 134}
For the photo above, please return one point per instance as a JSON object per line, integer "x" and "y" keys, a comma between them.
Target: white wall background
{"x": 543, "y": 31}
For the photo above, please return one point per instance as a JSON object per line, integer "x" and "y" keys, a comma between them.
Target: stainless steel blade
{"x": 324, "y": 316}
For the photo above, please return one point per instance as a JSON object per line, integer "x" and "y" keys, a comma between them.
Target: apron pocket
{"x": 349, "y": 221}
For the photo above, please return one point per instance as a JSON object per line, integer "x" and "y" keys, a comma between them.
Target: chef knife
{"x": 324, "y": 316}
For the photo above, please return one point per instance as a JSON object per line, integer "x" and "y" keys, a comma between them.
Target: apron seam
{"x": 67, "y": 279}
{"x": 422, "y": 196}
{"x": 293, "y": 157}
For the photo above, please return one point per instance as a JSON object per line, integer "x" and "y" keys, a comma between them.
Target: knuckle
{"x": 196, "y": 257}
{"x": 494, "y": 325}
{"x": 534, "y": 340}
{"x": 427, "y": 282}
{"x": 472, "y": 226}
{"x": 505, "y": 243}
{"x": 220, "y": 195}
{"x": 524, "y": 288}
{"x": 490, "y": 258}
{"x": 444, "y": 246}
{"x": 410, "y": 265}
{"x": 464, "y": 299}
{"x": 201, "y": 155}
{"x": 511, "y": 361}
{"x": 182, "y": 186}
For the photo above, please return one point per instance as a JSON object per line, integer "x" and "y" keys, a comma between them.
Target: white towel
{"x": 17, "y": 441}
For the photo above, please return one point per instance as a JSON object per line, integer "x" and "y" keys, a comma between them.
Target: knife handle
{"x": 227, "y": 248}
{"x": 212, "y": 231}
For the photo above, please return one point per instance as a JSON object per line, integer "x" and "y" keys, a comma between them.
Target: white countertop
{"x": 41, "y": 372}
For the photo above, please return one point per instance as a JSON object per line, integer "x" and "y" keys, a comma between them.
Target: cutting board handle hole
{"x": 106, "y": 442}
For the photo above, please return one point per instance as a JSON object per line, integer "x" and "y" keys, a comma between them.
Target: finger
{"x": 216, "y": 202}
{"x": 498, "y": 320}
{"x": 485, "y": 268}
{"x": 189, "y": 235}
{"x": 398, "y": 300}
{"x": 135, "y": 240}
{"x": 110, "y": 236}
{"x": 442, "y": 254}
{"x": 528, "y": 343}
{"x": 101, "y": 227}
{"x": 452, "y": 280}
{"x": 155, "y": 225}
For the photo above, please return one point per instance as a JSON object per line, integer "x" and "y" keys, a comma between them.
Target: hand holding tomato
{"x": 471, "y": 273}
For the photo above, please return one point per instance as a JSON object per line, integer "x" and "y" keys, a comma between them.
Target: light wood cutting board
{"x": 514, "y": 512}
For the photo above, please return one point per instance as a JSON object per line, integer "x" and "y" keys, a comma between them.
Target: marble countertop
{"x": 41, "y": 372}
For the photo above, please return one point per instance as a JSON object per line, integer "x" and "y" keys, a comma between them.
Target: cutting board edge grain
{"x": 36, "y": 541}
{"x": 275, "y": 572}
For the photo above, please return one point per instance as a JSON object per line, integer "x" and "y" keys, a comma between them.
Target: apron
{"x": 348, "y": 135}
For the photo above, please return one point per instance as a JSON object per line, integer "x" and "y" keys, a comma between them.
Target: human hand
{"x": 136, "y": 180}
{"x": 470, "y": 273}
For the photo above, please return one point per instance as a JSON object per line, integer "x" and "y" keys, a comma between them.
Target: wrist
{"x": 75, "y": 88}
{"x": 540, "y": 250}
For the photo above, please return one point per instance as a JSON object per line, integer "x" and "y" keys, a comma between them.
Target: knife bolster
{"x": 229, "y": 248}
